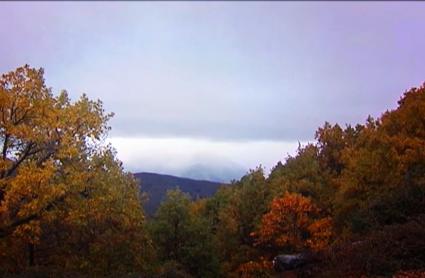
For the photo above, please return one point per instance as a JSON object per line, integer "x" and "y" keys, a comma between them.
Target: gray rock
{"x": 289, "y": 262}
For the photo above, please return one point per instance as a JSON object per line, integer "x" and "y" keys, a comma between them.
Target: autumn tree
{"x": 294, "y": 224}
{"x": 383, "y": 181}
{"x": 57, "y": 176}
{"x": 102, "y": 230}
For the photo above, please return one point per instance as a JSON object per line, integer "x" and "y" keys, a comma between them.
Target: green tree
{"x": 302, "y": 174}
{"x": 248, "y": 201}
{"x": 183, "y": 237}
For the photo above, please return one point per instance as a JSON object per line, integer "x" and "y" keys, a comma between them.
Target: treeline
{"x": 354, "y": 199}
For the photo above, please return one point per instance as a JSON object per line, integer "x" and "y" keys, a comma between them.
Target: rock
{"x": 290, "y": 262}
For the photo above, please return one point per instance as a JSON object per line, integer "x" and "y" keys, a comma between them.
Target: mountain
{"x": 156, "y": 185}
{"x": 212, "y": 172}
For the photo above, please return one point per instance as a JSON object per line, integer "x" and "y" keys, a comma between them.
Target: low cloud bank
{"x": 199, "y": 158}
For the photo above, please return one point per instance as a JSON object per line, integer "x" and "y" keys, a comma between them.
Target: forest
{"x": 354, "y": 200}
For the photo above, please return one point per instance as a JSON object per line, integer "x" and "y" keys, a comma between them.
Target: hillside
{"x": 156, "y": 185}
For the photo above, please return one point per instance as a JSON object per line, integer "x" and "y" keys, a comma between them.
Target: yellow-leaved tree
{"x": 65, "y": 201}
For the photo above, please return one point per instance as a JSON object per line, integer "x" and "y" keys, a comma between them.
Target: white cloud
{"x": 176, "y": 155}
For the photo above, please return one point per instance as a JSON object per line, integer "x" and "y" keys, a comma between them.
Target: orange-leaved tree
{"x": 294, "y": 223}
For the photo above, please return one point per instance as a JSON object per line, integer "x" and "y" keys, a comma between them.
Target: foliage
{"x": 397, "y": 247}
{"x": 365, "y": 178}
{"x": 183, "y": 237}
{"x": 383, "y": 182}
{"x": 353, "y": 200}
{"x": 65, "y": 201}
{"x": 247, "y": 202}
{"x": 302, "y": 174}
{"x": 261, "y": 268}
{"x": 294, "y": 224}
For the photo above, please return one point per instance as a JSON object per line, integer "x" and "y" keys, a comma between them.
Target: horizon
{"x": 213, "y": 89}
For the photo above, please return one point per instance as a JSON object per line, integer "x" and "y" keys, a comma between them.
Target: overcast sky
{"x": 211, "y": 89}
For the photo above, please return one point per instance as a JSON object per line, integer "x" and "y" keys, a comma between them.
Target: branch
{"x": 12, "y": 227}
{"x": 6, "y": 139}
{"x": 21, "y": 159}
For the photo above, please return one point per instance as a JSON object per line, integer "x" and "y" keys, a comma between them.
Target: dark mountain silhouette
{"x": 156, "y": 185}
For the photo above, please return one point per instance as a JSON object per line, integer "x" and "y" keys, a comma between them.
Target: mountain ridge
{"x": 174, "y": 176}
{"x": 155, "y": 185}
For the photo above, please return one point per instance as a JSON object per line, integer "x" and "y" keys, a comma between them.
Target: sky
{"x": 212, "y": 89}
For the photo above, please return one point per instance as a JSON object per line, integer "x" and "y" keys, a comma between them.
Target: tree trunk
{"x": 31, "y": 254}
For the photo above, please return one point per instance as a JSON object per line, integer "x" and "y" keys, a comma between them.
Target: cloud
{"x": 199, "y": 157}
{"x": 227, "y": 83}
{"x": 222, "y": 71}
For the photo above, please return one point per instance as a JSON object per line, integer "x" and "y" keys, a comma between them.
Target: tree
{"x": 183, "y": 237}
{"x": 59, "y": 181}
{"x": 294, "y": 224}
{"x": 302, "y": 174}
{"x": 41, "y": 137}
{"x": 247, "y": 200}
{"x": 383, "y": 182}
{"x": 169, "y": 227}
{"x": 101, "y": 231}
